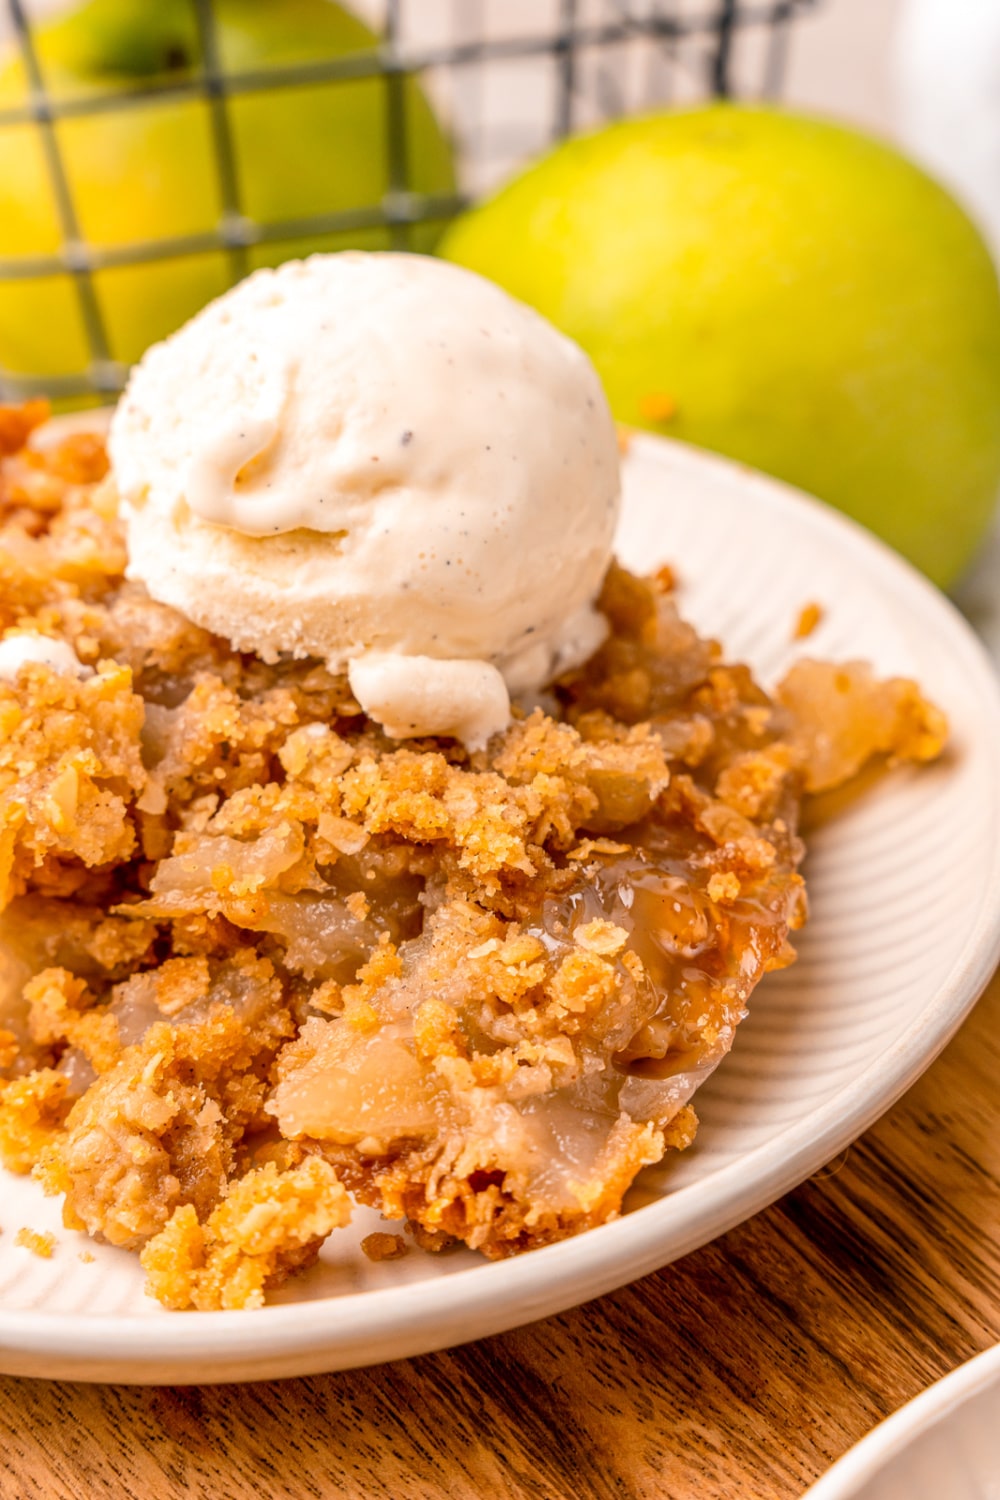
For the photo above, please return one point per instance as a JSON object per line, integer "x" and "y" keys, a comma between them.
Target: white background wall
{"x": 837, "y": 61}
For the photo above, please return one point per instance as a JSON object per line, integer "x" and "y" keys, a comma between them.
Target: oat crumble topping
{"x": 257, "y": 960}
{"x": 39, "y": 1243}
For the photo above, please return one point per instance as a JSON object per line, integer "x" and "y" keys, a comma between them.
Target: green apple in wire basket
{"x": 780, "y": 289}
{"x": 147, "y": 170}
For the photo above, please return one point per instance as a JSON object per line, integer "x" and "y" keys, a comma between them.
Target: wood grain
{"x": 738, "y": 1374}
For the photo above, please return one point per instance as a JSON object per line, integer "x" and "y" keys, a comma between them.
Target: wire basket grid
{"x": 508, "y": 76}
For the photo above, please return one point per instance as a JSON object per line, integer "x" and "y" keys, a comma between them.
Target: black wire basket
{"x": 199, "y": 148}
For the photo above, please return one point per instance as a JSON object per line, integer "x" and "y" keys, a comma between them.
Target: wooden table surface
{"x": 739, "y": 1373}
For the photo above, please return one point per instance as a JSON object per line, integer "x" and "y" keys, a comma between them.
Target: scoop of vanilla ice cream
{"x": 384, "y": 461}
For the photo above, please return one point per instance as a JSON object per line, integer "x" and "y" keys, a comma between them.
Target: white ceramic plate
{"x": 943, "y": 1445}
{"x": 905, "y": 932}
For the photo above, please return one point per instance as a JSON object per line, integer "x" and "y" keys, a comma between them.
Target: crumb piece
{"x": 724, "y": 887}
{"x": 57, "y": 1011}
{"x": 657, "y": 406}
{"x": 17, "y": 423}
{"x": 810, "y": 616}
{"x": 380, "y": 1246}
{"x": 284, "y": 1154}
{"x": 755, "y": 783}
{"x": 38, "y": 1243}
{"x": 601, "y": 937}
{"x": 80, "y": 458}
{"x": 152, "y": 1133}
{"x": 358, "y": 905}
{"x": 269, "y": 1225}
{"x": 681, "y": 1130}
{"x": 32, "y": 1113}
{"x": 664, "y": 580}
{"x": 757, "y": 719}
{"x": 435, "y": 1028}
{"x": 360, "y": 1014}
{"x": 69, "y": 762}
{"x": 86, "y": 1257}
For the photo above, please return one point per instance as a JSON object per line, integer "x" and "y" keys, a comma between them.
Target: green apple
{"x": 780, "y": 289}
{"x": 147, "y": 171}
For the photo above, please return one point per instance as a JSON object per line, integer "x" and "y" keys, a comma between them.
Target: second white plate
{"x": 943, "y": 1445}
{"x": 905, "y": 932}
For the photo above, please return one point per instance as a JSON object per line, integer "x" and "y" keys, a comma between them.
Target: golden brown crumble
{"x": 41, "y": 1244}
{"x": 267, "y": 1225}
{"x": 256, "y": 958}
{"x": 809, "y": 618}
{"x": 381, "y": 1246}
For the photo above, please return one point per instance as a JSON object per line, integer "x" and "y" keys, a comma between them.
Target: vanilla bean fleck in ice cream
{"x": 385, "y": 462}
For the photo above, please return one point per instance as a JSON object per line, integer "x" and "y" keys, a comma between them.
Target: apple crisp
{"x": 260, "y": 962}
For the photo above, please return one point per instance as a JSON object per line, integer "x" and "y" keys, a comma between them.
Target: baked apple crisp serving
{"x": 266, "y": 954}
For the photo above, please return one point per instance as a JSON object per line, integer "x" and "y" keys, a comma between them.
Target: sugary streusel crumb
{"x": 269, "y": 1225}
{"x": 724, "y": 887}
{"x": 380, "y": 1246}
{"x": 810, "y": 616}
{"x": 682, "y": 1129}
{"x": 39, "y": 1243}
